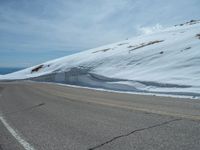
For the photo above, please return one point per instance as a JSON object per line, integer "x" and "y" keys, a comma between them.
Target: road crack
{"x": 1, "y": 148}
{"x": 132, "y": 132}
{"x": 25, "y": 109}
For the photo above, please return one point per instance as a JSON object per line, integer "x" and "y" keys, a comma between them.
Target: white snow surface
{"x": 167, "y": 61}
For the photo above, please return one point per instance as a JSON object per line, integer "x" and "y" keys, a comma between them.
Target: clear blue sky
{"x": 34, "y": 31}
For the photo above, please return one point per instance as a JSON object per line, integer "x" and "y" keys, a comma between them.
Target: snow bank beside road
{"x": 166, "y": 61}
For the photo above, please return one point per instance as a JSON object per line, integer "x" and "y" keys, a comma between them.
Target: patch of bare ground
{"x": 143, "y": 45}
{"x": 122, "y": 44}
{"x": 187, "y": 48}
{"x": 103, "y": 50}
{"x": 191, "y": 22}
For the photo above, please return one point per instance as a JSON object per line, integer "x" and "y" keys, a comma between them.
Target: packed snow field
{"x": 164, "y": 62}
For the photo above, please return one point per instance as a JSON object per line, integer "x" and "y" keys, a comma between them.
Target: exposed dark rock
{"x": 198, "y": 35}
{"x": 161, "y": 52}
{"x": 37, "y": 68}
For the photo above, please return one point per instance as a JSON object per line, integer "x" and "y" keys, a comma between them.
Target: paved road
{"x": 38, "y": 116}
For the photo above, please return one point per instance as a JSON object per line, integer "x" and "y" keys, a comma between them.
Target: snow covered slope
{"x": 167, "y": 61}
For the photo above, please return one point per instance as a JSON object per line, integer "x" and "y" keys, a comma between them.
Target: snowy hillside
{"x": 167, "y": 61}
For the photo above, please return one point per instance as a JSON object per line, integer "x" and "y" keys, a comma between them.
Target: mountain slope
{"x": 163, "y": 62}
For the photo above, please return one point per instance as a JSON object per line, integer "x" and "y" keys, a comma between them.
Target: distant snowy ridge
{"x": 167, "y": 61}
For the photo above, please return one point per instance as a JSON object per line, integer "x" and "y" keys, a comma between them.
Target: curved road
{"x": 38, "y": 116}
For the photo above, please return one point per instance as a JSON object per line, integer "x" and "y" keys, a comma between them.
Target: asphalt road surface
{"x": 38, "y": 116}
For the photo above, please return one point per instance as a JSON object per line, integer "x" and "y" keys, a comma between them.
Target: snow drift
{"x": 166, "y": 62}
